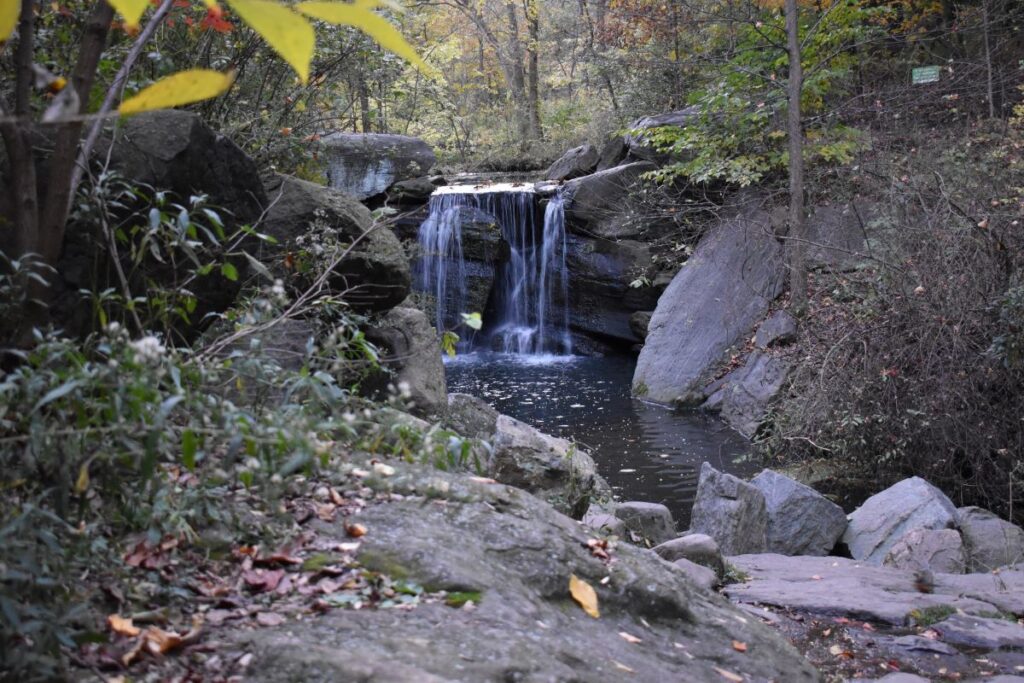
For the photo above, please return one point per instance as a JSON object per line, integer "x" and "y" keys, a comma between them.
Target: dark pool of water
{"x": 646, "y": 452}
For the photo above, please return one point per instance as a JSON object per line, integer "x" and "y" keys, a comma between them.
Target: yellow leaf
{"x": 122, "y": 626}
{"x": 287, "y": 32}
{"x": 360, "y": 16}
{"x": 82, "y": 483}
{"x": 131, "y": 10}
{"x": 184, "y": 87}
{"x": 9, "y": 10}
{"x": 583, "y": 593}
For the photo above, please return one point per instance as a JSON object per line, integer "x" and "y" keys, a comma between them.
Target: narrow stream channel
{"x": 646, "y": 452}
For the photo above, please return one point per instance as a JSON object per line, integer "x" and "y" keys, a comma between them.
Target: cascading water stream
{"x": 528, "y": 309}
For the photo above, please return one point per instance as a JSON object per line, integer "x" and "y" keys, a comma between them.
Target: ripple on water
{"x": 646, "y": 452}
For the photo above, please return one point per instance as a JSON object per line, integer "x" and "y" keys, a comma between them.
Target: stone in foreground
{"x": 651, "y": 523}
{"x": 697, "y": 548}
{"x": 712, "y": 303}
{"x": 801, "y": 521}
{"x": 937, "y": 550}
{"x": 991, "y": 542}
{"x": 471, "y": 416}
{"x": 981, "y": 632}
{"x": 840, "y": 587}
{"x": 698, "y": 574}
{"x": 886, "y": 517}
{"x": 453, "y": 534}
{"x": 551, "y": 468}
{"x": 731, "y": 511}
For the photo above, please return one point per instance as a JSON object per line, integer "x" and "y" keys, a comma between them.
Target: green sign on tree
{"x": 925, "y": 74}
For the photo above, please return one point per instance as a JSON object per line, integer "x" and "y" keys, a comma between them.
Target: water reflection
{"x": 644, "y": 451}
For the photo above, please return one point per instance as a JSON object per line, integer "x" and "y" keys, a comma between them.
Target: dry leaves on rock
{"x": 158, "y": 642}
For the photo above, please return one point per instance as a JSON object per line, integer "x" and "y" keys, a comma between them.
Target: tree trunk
{"x": 797, "y": 222}
{"x": 533, "y": 69}
{"x": 518, "y": 85}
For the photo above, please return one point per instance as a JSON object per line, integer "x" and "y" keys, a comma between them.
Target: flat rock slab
{"x": 841, "y": 587}
{"x": 449, "y": 532}
{"x": 982, "y": 632}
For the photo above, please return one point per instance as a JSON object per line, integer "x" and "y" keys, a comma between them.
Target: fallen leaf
{"x": 483, "y": 480}
{"x": 326, "y": 512}
{"x": 355, "y": 530}
{"x": 335, "y": 497}
{"x": 728, "y": 675}
{"x": 623, "y": 667}
{"x": 583, "y": 593}
{"x": 629, "y": 638}
{"x": 159, "y": 641}
{"x": 739, "y": 646}
{"x": 383, "y": 470}
{"x": 122, "y": 626}
{"x": 263, "y": 579}
{"x": 816, "y": 578}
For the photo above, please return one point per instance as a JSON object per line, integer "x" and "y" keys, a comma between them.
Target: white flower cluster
{"x": 148, "y": 349}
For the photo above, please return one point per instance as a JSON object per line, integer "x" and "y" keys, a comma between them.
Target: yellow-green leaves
{"x": 288, "y": 33}
{"x": 9, "y": 10}
{"x": 583, "y": 593}
{"x": 358, "y": 14}
{"x": 184, "y": 87}
{"x": 131, "y": 10}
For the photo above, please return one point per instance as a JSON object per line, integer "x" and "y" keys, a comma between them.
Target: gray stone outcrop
{"x": 578, "y": 161}
{"x": 367, "y": 164}
{"x": 991, "y": 542}
{"x": 801, "y": 521}
{"x": 648, "y": 523}
{"x": 731, "y": 511}
{"x": 551, "y": 468}
{"x": 936, "y": 550}
{"x": 712, "y": 303}
{"x": 514, "y": 555}
{"x": 778, "y": 329}
{"x": 884, "y": 518}
{"x": 411, "y": 352}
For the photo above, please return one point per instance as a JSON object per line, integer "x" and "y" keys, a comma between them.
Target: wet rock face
{"x": 451, "y": 533}
{"x": 801, "y": 521}
{"x": 884, "y": 518}
{"x": 365, "y": 165}
{"x": 731, "y": 511}
{"x": 712, "y": 303}
{"x": 374, "y": 276}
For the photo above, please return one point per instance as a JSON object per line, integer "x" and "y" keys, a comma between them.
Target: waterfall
{"x": 527, "y": 301}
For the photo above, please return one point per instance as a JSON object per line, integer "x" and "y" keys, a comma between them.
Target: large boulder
{"x": 578, "y": 161}
{"x": 513, "y": 556}
{"x": 650, "y": 524}
{"x": 314, "y": 224}
{"x": 601, "y": 300}
{"x": 638, "y": 140}
{"x": 551, "y": 468}
{"x": 731, "y": 511}
{"x": 367, "y": 164}
{"x": 991, "y": 542}
{"x": 411, "y": 353}
{"x": 936, "y": 550}
{"x": 177, "y": 152}
{"x": 599, "y": 203}
{"x": 801, "y": 521}
{"x": 712, "y": 303}
{"x": 613, "y": 152}
{"x": 886, "y": 517}
{"x": 745, "y": 394}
